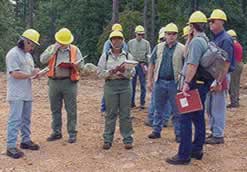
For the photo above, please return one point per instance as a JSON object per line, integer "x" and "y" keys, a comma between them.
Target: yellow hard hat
{"x": 218, "y": 14}
{"x": 232, "y": 33}
{"x": 116, "y": 34}
{"x": 64, "y": 36}
{"x": 32, "y": 35}
{"x": 117, "y": 27}
{"x": 197, "y": 17}
{"x": 161, "y": 35}
{"x": 171, "y": 27}
{"x": 139, "y": 29}
{"x": 186, "y": 30}
{"x": 162, "y": 30}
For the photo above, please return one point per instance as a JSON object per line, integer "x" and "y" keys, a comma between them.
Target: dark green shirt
{"x": 166, "y": 67}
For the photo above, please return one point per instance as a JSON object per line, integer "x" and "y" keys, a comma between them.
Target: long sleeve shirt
{"x": 225, "y": 42}
{"x": 106, "y": 64}
{"x": 140, "y": 50}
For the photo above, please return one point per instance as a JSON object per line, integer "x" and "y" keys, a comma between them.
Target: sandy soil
{"x": 87, "y": 155}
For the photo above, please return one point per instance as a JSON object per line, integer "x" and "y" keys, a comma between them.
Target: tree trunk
{"x": 53, "y": 17}
{"x": 31, "y": 11}
{"x": 244, "y": 4}
{"x": 153, "y": 23}
{"x": 17, "y": 8}
{"x": 115, "y": 11}
{"x": 194, "y": 5}
{"x": 145, "y": 16}
{"x": 25, "y": 12}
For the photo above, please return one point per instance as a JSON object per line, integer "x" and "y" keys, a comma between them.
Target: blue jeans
{"x": 186, "y": 146}
{"x": 151, "y": 110}
{"x": 164, "y": 92}
{"x": 102, "y": 105}
{"x": 140, "y": 73}
{"x": 19, "y": 119}
{"x": 216, "y": 109}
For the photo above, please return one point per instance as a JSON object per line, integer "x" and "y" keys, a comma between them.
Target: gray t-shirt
{"x": 19, "y": 89}
{"x": 197, "y": 48}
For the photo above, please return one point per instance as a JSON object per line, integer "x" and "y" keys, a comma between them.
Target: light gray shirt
{"x": 19, "y": 89}
{"x": 140, "y": 50}
{"x": 63, "y": 55}
{"x": 106, "y": 64}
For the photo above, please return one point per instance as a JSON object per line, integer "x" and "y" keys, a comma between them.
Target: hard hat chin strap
{"x": 116, "y": 47}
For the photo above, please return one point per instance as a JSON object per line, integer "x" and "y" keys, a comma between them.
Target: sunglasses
{"x": 31, "y": 44}
{"x": 171, "y": 33}
{"x": 212, "y": 21}
{"x": 140, "y": 34}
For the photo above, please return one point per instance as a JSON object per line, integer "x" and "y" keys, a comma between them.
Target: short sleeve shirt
{"x": 19, "y": 89}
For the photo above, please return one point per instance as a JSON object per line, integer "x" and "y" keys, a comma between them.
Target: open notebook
{"x": 129, "y": 64}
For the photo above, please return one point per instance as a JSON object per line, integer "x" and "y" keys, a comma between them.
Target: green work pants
{"x": 59, "y": 91}
{"x": 117, "y": 95}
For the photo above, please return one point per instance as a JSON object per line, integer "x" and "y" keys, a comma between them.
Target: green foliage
{"x": 9, "y": 29}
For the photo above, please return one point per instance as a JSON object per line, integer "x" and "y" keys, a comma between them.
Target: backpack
{"x": 107, "y": 56}
{"x": 214, "y": 63}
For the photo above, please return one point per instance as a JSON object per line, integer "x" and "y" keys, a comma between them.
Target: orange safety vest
{"x": 74, "y": 73}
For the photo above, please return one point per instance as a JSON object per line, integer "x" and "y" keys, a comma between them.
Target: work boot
{"x": 197, "y": 155}
{"x": 72, "y": 139}
{"x": 175, "y": 160}
{"x": 154, "y": 135}
{"x": 29, "y": 145}
{"x": 232, "y": 106}
{"x": 54, "y": 137}
{"x": 133, "y": 106}
{"x": 178, "y": 139}
{"x": 14, "y": 153}
{"x": 128, "y": 146}
{"x": 214, "y": 140}
{"x": 209, "y": 136}
{"x": 147, "y": 123}
{"x": 107, "y": 146}
{"x": 165, "y": 124}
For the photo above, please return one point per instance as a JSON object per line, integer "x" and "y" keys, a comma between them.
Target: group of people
{"x": 171, "y": 67}
{"x": 162, "y": 69}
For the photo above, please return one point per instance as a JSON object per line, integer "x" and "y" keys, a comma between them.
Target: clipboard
{"x": 188, "y": 104}
{"x": 129, "y": 64}
{"x": 69, "y": 65}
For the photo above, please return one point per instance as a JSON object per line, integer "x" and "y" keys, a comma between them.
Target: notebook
{"x": 190, "y": 103}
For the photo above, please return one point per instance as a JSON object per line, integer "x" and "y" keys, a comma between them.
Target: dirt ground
{"x": 87, "y": 155}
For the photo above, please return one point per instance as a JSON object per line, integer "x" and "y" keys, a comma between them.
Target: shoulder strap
{"x": 127, "y": 55}
{"x": 106, "y": 56}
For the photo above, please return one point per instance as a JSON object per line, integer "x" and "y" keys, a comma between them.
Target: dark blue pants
{"x": 102, "y": 104}
{"x": 186, "y": 146}
{"x": 139, "y": 73}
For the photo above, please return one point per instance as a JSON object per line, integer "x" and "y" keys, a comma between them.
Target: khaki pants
{"x": 235, "y": 84}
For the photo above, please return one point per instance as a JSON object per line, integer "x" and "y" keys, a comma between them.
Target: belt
{"x": 167, "y": 79}
{"x": 200, "y": 82}
{"x": 116, "y": 79}
{"x": 60, "y": 78}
